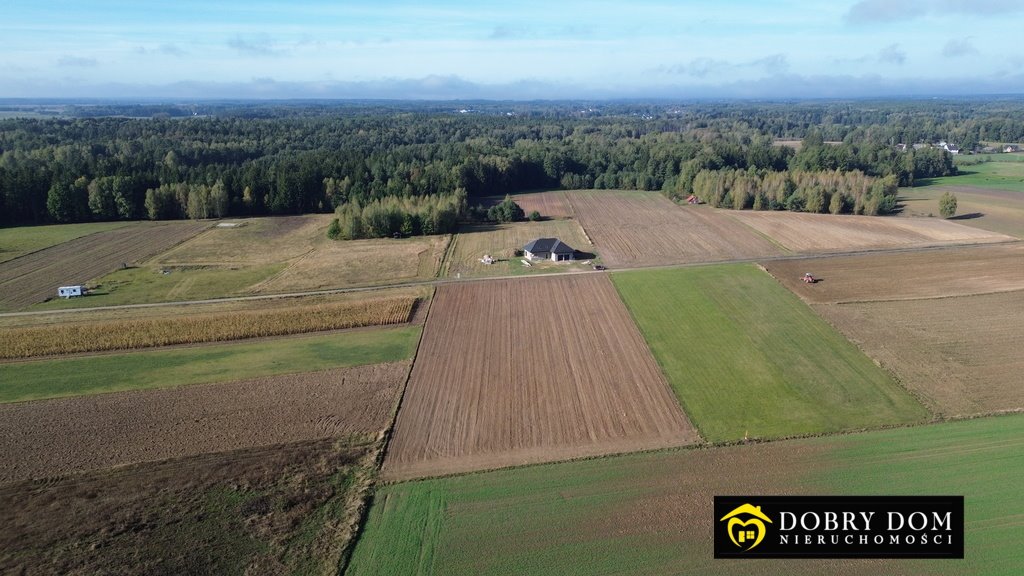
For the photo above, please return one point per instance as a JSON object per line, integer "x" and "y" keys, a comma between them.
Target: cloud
{"x": 258, "y": 45}
{"x": 164, "y": 49}
{"x": 959, "y": 47}
{"x": 872, "y": 11}
{"x": 76, "y": 62}
{"x": 704, "y": 67}
{"x": 892, "y": 54}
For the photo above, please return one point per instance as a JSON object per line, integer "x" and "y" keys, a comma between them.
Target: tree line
{"x": 276, "y": 159}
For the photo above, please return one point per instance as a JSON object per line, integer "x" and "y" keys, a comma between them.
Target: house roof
{"x": 552, "y": 245}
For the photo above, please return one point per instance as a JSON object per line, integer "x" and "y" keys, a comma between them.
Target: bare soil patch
{"x": 56, "y": 437}
{"x": 633, "y": 229}
{"x": 35, "y": 277}
{"x": 552, "y": 204}
{"x": 285, "y": 509}
{"x": 518, "y": 371}
{"x": 803, "y": 232}
{"x": 907, "y": 276}
{"x": 961, "y": 355}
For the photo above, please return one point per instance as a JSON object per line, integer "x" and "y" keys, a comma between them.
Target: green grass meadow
{"x": 20, "y": 381}
{"x": 649, "y": 514}
{"x": 22, "y": 240}
{"x": 998, "y": 171}
{"x": 747, "y": 357}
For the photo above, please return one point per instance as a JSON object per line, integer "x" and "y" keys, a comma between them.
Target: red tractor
{"x": 808, "y": 279}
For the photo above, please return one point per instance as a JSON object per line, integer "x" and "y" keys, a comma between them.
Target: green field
{"x": 747, "y": 358}
{"x": 149, "y": 284}
{"x": 35, "y": 380}
{"x": 999, "y": 171}
{"x": 651, "y": 513}
{"x": 15, "y": 242}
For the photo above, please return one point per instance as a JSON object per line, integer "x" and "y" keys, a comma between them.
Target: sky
{"x": 519, "y": 50}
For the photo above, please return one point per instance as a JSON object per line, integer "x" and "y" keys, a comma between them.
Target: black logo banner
{"x": 839, "y": 526}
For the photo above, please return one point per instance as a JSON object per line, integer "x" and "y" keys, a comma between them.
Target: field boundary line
{"x": 126, "y": 224}
{"x": 919, "y": 298}
{"x": 374, "y": 478}
{"x": 442, "y": 267}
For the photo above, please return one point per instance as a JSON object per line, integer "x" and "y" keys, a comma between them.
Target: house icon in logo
{"x": 746, "y": 525}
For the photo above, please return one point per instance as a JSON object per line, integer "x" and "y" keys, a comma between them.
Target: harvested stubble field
{"x": 551, "y": 204}
{"x": 70, "y": 435}
{"x": 517, "y": 371}
{"x": 59, "y": 339}
{"x": 905, "y": 276}
{"x": 746, "y": 357}
{"x": 651, "y": 514}
{"x": 999, "y": 211}
{"x": 35, "y": 277}
{"x": 633, "y": 229}
{"x": 311, "y": 260}
{"x": 959, "y": 355}
{"x": 801, "y": 232}
{"x": 501, "y": 241}
{"x": 285, "y": 509}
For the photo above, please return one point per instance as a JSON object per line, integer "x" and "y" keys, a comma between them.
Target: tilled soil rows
{"x": 549, "y": 204}
{"x": 56, "y": 437}
{"x": 35, "y": 277}
{"x": 636, "y": 229}
{"x": 519, "y": 371}
{"x": 928, "y": 274}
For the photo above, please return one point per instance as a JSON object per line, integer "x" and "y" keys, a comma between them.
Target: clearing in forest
{"x": 519, "y": 371}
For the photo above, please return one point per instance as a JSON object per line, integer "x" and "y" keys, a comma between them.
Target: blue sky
{"x": 516, "y": 50}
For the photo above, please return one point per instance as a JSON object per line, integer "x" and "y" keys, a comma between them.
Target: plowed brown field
{"x": 55, "y": 437}
{"x": 960, "y": 355}
{"x": 36, "y": 277}
{"x": 551, "y": 204}
{"x": 632, "y": 229}
{"x": 802, "y": 232}
{"x": 928, "y": 274}
{"x": 519, "y": 371}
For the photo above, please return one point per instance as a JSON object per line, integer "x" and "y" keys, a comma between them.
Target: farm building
{"x": 548, "y": 249}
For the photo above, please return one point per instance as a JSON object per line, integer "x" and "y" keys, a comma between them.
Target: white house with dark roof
{"x": 548, "y": 249}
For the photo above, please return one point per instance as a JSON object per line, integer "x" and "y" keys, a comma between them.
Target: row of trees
{"x": 835, "y": 192}
{"x": 410, "y": 216}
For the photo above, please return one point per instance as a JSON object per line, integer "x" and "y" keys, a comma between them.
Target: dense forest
{"x": 122, "y": 161}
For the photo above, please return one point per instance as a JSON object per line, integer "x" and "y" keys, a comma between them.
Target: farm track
{"x": 526, "y": 391}
{"x": 35, "y": 277}
{"x": 68, "y": 435}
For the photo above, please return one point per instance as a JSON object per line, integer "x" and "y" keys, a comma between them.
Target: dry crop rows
{"x": 639, "y": 229}
{"x": 35, "y": 277}
{"x": 133, "y": 334}
{"x": 518, "y": 371}
{"x": 55, "y": 437}
{"x": 802, "y": 232}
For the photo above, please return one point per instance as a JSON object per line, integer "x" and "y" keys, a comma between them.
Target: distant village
{"x": 956, "y": 150}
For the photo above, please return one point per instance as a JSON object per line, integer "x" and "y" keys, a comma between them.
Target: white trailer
{"x": 70, "y": 291}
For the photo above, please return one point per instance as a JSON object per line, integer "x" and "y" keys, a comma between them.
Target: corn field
{"x": 134, "y": 334}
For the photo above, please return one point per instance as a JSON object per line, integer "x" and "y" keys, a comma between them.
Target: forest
{"x": 205, "y": 160}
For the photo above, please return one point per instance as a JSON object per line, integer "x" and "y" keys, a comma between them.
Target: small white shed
{"x": 70, "y": 291}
